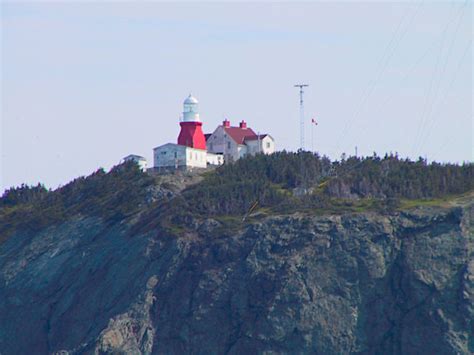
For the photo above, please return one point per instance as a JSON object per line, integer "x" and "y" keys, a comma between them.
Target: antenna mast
{"x": 301, "y": 86}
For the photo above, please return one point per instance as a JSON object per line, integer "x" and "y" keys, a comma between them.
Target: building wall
{"x": 143, "y": 165}
{"x": 196, "y": 158}
{"x": 242, "y": 151}
{"x": 220, "y": 142}
{"x": 169, "y": 155}
{"x": 252, "y": 147}
{"x": 174, "y": 155}
{"x": 215, "y": 143}
{"x": 267, "y": 145}
{"x": 215, "y": 159}
{"x": 221, "y": 147}
{"x": 232, "y": 152}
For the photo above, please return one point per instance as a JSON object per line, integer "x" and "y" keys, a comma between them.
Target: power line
{"x": 382, "y": 65}
{"x": 409, "y": 73}
{"x": 434, "y": 84}
{"x": 431, "y": 118}
{"x": 455, "y": 76}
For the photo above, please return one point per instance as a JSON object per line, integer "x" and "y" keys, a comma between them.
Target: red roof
{"x": 254, "y": 138}
{"x": 240, "y": 134}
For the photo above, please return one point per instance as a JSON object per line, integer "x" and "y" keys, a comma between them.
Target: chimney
{"x": 243, "y": 124}
{"x": 226, "y": 123}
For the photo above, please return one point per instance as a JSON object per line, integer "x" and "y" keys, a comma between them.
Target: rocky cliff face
{"x": 358, "y": 283}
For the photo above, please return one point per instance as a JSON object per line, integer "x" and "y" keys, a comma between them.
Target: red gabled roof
{"x": 254, "y": 138}
{"x": 240, "y": 134}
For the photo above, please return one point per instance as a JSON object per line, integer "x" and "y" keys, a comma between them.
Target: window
{"x": 268, "y": 145}
{"x": 228, "y": 145}
{"x": 175, "y": 154}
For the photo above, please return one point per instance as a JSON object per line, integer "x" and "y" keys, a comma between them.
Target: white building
{"x": 141, "y": 161}
{"x": 196, "y": 150}
{"x": 263, "y": 143}
{"x": 190, "y": 152}
{"x": 237, "y": 142}
{"x": 176, "y": 156}
{"x": 215, "y": 159}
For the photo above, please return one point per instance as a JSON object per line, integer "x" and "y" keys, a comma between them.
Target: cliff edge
{"x": 356, "y": 282}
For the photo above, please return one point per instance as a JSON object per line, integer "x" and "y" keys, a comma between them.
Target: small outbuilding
{"x": 176, "y": 156}
{"x": 138, "y": 159}
{"x": 194, "y": 149}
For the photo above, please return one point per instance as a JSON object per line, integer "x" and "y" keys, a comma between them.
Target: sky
{"x": 84, "y": 84}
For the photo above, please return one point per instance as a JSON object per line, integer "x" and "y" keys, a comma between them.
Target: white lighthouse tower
{"x": 191, "y": 134}
{"x": 191, "y": 109}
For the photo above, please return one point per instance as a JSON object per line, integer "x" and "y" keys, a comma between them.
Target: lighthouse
{"x": 191, "y": 134}
{"x": 196, "y": 150}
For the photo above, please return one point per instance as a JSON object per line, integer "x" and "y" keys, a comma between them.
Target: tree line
{"x": 284, "y": 181}
{"x": 272, "y": 180}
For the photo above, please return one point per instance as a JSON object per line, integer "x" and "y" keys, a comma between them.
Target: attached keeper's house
{"x": 194, "y": 149}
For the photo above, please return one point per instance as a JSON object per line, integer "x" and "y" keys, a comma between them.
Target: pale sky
{"x": 87, "y": 83}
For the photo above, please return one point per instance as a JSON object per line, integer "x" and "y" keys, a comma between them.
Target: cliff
{"x": 349, "y": 283}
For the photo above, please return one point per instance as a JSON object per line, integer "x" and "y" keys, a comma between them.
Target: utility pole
{"x": 301, "y": 86}
{"x": 313, "y": 123}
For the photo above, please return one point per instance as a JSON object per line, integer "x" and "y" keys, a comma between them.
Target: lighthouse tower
{"x": 191, "y": 134}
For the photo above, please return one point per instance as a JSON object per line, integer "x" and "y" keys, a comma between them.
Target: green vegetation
{"x": 274, "y": 181}
{"x": 112, "y": 196}
{"x": 281, "y": 183}
{"x": 23, "y": 194}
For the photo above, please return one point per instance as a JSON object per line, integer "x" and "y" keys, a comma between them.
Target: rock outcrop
{"x": 351, "y": 284}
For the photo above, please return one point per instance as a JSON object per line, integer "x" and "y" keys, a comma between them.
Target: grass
{"x": 233, "y": 223}
{"x": 411, "y": 204}
{"x": 337, "y": 206}
{"x": 445, "y": 201}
